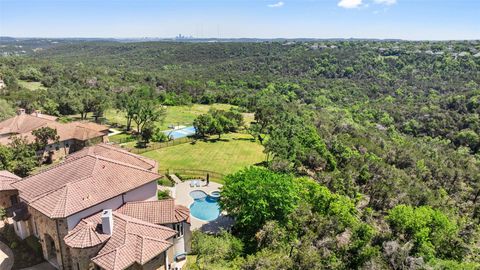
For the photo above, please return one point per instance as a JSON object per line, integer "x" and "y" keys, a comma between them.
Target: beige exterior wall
{"x": 5, "y": 195}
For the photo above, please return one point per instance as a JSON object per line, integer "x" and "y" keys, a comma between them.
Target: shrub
{"x": 34, "y": 244}
{"x": 163, "y": 194}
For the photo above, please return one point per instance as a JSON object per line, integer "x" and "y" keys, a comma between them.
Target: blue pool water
{"x": 180, "y": 133}
{"x": 204, "y": 207}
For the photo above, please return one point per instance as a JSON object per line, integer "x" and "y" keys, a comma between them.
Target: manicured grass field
{"x": 31, "y": 85}
{"x": 176, "y": 115}
{"x": 230, "y": 154}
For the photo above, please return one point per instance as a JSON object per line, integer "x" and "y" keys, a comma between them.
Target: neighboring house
{"x": 98, "y": 209}
{"x": 73, "y": 136}
{"x": 8, "y": 194}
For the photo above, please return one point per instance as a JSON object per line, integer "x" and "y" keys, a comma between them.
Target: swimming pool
{"x": 204, "y": 207}
{"x": 180, "y": 133}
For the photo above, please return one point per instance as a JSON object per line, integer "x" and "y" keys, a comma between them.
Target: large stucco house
{"x": 73, "y": 136}
{"x": 98, "y": 209}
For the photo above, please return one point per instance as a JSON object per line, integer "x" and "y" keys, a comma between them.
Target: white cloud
{"x": 386, "y": 2}
{"x": 351, "y": 3}
{"x": 276, "y": 5}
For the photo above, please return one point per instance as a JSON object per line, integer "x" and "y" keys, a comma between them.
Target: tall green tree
{"x": 24, "y": 158}
{"x": 255, "y": 195}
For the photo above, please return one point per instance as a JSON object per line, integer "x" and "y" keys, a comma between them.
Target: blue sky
{"x": 406, "y": 19}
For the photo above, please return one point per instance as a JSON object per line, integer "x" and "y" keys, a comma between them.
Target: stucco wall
{"x": 146, "y": 192}
{"x": 113, "y": 203}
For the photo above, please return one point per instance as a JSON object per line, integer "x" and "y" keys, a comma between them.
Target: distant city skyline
{"x": 379, "y": 19}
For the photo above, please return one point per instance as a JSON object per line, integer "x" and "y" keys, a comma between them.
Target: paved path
{"x": 6, "y": 257}
{"x": 175, "y": 179}
{"x": 183, "y": 197}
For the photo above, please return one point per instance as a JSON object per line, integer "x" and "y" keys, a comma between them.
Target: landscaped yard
{"x": 176, "y": 115}
{"x": 230, "y": 154}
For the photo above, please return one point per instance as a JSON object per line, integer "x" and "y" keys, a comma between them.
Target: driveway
{"x": 6, "y": 257}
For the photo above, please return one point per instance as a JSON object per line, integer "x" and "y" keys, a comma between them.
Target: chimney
{"x": 107, "y": 221}
{"x": 38, "y": 113}
{"x": 20, "y": 111}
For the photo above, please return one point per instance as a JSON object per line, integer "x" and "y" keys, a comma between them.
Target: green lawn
{"x": 121, "y": 138}
{"x": 232, "y": 153}
{"x": 176, "y": 115}
{"x": 31, "y": 85}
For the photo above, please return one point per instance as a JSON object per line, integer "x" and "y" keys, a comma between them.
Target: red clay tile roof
{"x": 87, "y": 233}
{"x": 6, "y": 179}
{"x": 79, "y": 183}
{"x": 182, "y": 213}
{"x": 157, "y": 212}
{"x": 24, "y": 124}
{"x": 21, "y": 123}
{"x": 115, "y": 153}
{"x": 132, "y": 241}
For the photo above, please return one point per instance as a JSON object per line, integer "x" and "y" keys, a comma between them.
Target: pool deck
{"x": 182, "y": 197}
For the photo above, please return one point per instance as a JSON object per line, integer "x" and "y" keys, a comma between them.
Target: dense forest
{"x": 373, "y": 146}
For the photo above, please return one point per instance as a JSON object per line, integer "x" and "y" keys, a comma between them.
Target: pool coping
{"x": 203, "y": 220}
{"x": 182, "y": 197}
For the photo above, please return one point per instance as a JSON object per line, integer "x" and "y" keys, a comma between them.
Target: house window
{"x": 179, "y": 228}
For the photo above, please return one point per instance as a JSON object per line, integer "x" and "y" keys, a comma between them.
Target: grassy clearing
{"x": 228, "y": 155}
{"x": 121, "y": 138}
{"x": 32, "y": 86}
{"x": 176, "y": 115}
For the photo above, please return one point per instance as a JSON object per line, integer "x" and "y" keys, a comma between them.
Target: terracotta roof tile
{"x": 24, "y": 124}
{"x": 157, "y": 212}
{"x": 87, "y": 233}
{"x": 182, "y": 213}
{"x": 116, "y": 153}
{"x": 132, "y": 241}
{"x": 79, "y": 183}
{"x": 21, "y": 124}
{"x": 6, "y": 179}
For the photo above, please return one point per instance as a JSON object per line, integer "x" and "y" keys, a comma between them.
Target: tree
{"x": 148, "y": 112}
{"x": 101, "y": 102}
{"x": 147, "y": 133}
{"x": 255, "y": 195}
{"x": 217, "y": 122}
{"x": 433, "y": 233}
{"x": 50, "y": 107}
{"x": 24, "y": 158}
{"x": 6, "y": 110}
{"x": 216, "y": 251}
{"x": 130, "y": 104}
{"x": 44, "y": 136}
{"x": 6, "y": 157}
{"x": 293, "y": 140}
{"x": 203, "y": 124}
